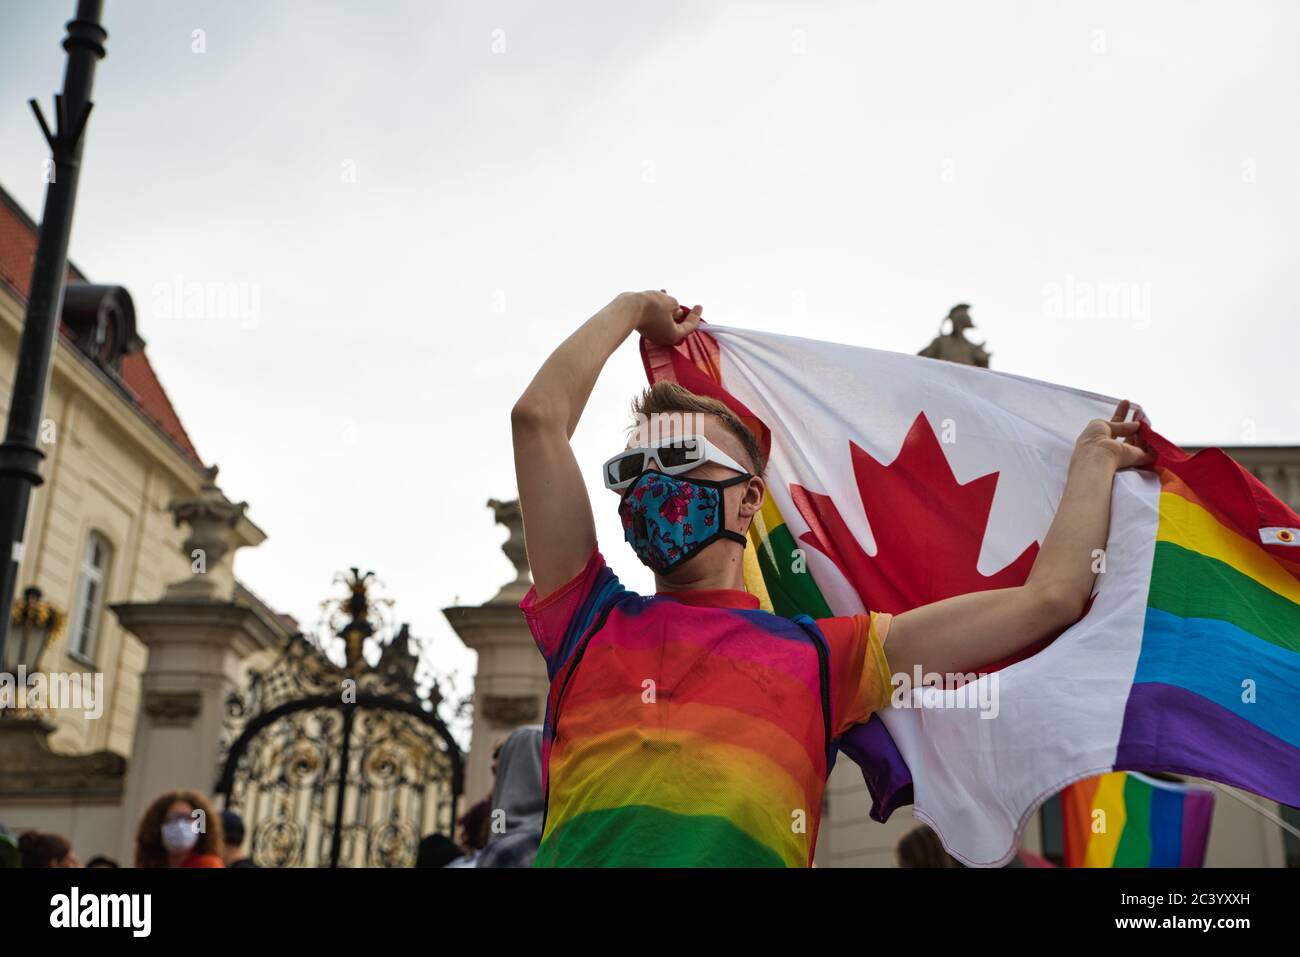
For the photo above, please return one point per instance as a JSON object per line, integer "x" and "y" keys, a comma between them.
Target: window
{"x": 90, "y": 596}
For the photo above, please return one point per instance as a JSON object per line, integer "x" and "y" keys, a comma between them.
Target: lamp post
{"x": 20, "y": 456}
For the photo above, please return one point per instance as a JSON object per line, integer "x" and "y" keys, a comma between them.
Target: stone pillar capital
{"x": 217, "y": 527}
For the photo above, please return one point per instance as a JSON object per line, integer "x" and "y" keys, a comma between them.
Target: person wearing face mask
{"x": 179, "y": 829}
{"x": 689, "y": 727}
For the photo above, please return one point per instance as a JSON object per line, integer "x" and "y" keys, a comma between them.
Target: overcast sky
{"x": 418, "y": 201}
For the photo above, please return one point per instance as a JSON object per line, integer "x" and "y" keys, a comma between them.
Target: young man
{"x": 690, "y": 728}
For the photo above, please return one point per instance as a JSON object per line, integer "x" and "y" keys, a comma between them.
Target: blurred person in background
{"x": 437, "y": 850}
{"x": 475, "y": 829}
{"x": 518, "y": 803}
{"x": 232, "y": 852}
{"x": 46, "y": 850}
{"x": 171, "y": 834}
{"x": 920, "y": 847}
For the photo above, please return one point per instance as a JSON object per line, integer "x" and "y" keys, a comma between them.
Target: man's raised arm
{"x": 559, "y": 530}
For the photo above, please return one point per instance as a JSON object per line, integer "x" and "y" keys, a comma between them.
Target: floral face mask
{"x": 668, "y": 520}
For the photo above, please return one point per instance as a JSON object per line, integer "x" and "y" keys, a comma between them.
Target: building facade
{"x": 105, "y": 532}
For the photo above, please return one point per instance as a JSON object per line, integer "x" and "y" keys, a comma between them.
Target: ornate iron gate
{"x": 339, "y": 766}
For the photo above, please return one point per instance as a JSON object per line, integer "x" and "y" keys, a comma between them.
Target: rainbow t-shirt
{"x": 692, "y": 729}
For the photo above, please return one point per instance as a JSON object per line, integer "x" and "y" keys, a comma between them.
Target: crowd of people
{"x": 178, "y": 829}
{"x": 182, "y": 829}
{"x": 504, "y": 829}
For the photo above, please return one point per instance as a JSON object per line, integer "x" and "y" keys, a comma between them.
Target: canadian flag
{"x": 895, "y": 481}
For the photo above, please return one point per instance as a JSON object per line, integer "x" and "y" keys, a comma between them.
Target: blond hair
{"x": 668, "y": 397}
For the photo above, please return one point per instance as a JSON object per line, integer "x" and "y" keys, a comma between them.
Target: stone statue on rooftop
{"x": 954, "y": 346}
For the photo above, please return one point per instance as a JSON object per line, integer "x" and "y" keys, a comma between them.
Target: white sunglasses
{"x": 673, "y": 456}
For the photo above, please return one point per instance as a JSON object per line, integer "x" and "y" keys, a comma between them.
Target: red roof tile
{"x": 138, "y": 374}
{"x": 17, "y": 250}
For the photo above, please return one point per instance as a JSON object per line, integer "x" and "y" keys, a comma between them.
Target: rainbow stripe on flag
{"x": 1125, "y": 819}
{"x": 1214, "y": 694}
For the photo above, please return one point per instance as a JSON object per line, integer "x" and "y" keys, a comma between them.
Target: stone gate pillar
{"x": 198, "y": 635}
{"x": 510, "y": 684}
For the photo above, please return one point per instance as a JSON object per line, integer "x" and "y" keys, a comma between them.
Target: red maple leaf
{"x": 929, "y": 530}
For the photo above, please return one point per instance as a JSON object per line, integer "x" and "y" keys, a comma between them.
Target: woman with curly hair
{"x": 172, "y": 834}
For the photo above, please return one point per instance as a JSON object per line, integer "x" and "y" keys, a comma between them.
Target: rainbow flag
{"x": 894, "y": 481}
{"x": 1126, "y": 819}
{"x": 1218, "y": 676}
